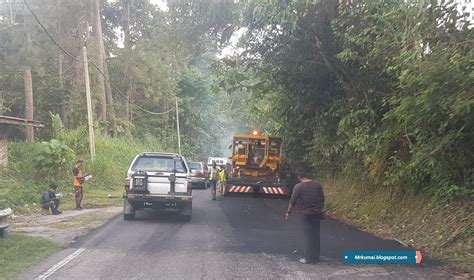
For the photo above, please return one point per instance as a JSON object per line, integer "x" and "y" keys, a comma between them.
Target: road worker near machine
{"x": 221, "y": 180}
{"x": 213, "y": 179}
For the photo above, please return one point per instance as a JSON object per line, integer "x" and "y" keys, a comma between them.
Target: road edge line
{"x": 60, "y": 264}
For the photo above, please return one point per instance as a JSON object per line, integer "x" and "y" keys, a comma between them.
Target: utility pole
{"x": 28, "y": 82}
{"x": 177, "y": 126}
{"x": 12, "y": 3}
{"x": 89, "y": 103}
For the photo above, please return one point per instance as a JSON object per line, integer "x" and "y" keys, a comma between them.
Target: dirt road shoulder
{"x": 63, "y": 228}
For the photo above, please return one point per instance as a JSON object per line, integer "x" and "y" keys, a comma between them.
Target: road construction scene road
{"x": 223, "y": 139}
{"x": 238, "y": 237}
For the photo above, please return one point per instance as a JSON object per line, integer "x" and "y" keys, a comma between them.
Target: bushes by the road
{"x": 23, "y": 180}
{"x": 443, "y": 231}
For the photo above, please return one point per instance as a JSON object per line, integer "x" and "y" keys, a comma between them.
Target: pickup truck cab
{"x": 158, "y": 181}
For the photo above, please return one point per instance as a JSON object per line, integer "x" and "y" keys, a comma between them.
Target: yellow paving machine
{"x": 257, "y": 165}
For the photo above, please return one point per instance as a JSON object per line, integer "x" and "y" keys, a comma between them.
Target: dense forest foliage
{"x": 141, "y": 59}
{"x": 378, "y": 90}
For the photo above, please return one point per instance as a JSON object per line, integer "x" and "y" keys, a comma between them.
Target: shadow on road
{"x": 169, "y": 216}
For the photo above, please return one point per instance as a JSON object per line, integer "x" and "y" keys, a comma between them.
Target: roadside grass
{"x": 94, "y": 198}
{"x": 21, "y": 184}
{"x": 82, "y": 221}
{"x": 20, "y": 251}
{"x": 441, "y": 231}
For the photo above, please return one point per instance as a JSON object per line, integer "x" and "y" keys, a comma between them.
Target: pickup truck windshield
{"x": 163, "y": 164}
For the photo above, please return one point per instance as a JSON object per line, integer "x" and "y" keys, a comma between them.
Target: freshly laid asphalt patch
{"x": 234, "y": 237}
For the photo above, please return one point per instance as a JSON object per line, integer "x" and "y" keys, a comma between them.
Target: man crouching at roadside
{"x": 50, "y": 201}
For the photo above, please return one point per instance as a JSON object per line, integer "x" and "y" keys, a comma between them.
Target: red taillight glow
{"x": 127, "y": 185}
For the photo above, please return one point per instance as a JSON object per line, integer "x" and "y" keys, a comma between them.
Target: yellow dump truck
{"x": 256, "y": 165}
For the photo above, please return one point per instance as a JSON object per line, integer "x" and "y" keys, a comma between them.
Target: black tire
{"x": 186, "y": 218}
{"x": 129, "y": 217}
{"x": 255, "y": 192}
{"x": 187, "y": 212}
{"x": 128, "y": 210}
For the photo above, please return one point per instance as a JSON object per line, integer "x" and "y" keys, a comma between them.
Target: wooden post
{"x": 3, "y": 150}
{"x": 29, "y": 108}
{"x": 89, "y": 103}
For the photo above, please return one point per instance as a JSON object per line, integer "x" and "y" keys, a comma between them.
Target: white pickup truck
{"x": 158, "y": 181}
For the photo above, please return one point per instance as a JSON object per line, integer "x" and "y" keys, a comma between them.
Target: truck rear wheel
{"x": 128, "y": 210}
{"x": 187, "y": 212}
{"x": 129, "y": 217}
{"x": 186, "y": 218}
{"x": 255, "y": 191}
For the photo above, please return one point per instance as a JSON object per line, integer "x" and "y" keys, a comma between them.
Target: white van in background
{"x": 220, "y": 161}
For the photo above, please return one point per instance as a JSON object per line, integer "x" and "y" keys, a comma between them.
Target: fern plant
{"x": 76, "y": 139}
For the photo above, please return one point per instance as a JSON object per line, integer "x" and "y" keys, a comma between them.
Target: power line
{"x": 92, "y": 63}
{"x": 48, "y": 34}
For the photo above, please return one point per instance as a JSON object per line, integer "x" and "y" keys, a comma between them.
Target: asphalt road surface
{"x": 239, "y": 237}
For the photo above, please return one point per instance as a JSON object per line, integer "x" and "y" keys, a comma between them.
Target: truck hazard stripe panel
{"x": 274, "y": 190}
{"x": 240, "y": 189}
{"x": 266, "y": 190}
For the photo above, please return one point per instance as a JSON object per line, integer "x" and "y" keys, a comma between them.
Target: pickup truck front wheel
{"x": 128, "y": 210}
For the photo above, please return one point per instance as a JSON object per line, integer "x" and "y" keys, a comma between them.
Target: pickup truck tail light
{"x": 190, "y": 188}
{"x": 127, "y": 185}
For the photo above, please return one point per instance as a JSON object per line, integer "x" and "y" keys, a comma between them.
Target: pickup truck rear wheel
{"x": 187, "y": 211}
{"x": 186, "y": 218}
{"x": 128, "y": 210}
{"x": 129, "y": 217}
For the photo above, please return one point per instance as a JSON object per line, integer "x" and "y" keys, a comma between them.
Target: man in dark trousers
{"x": 310, "y": 197}
{"x": 78, "y": 180}
{"x": 50, "y": 201}
{"x": 213, "y": 179}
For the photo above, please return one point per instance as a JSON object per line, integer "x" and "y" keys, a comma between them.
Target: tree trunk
{"x": 97, "y": 29}
{"x": 58, "y": 38}
{"x": 64, "y": 107}
{"x": 125, "y": 21}
{"x": 108, "y": 88}
{"x": 75, "y": 105}
{"x": 30, "y": 133}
